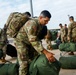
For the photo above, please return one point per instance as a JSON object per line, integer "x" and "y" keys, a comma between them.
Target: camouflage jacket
{"x": 29, "y": 34}
{"x": 62, "y": 31}
{"x": 72, "y": 30}
{"x": 3, "y": 38}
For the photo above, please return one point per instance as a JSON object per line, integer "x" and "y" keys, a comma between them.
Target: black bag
{"x": 68, "y": 62}
{"x": 1, "y": 53}
{"x": 42, "y": 33}
{"x": 11, "y": 50}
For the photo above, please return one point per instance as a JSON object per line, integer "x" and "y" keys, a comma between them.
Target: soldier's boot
{"x": 3, "y": 59}
{"x": 71, "y": 53}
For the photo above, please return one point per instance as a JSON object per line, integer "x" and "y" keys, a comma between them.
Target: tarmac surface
{"x": 57, "y": 55}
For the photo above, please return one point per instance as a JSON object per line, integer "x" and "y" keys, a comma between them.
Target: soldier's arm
{"x": 69, "y": 32}
{"x": 32, "y": 35}
{"x": 31, "y": 28}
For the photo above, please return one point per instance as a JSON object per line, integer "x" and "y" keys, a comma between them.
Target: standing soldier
{"x": 72, "y": 31}
{"x": 65, "y": 32}
{"x": 28, "y": 44}
{"x": 62, "y": 32}
{"x": 3, "y": 42}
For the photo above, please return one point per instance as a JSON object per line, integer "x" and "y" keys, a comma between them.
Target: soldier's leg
{"x": 4, "y": 51}
{"x": 74, "y": 41}
{"x": 65, "y": 39}
{"x": 3, "y": 47}
{"x": 22, "y": 58}
{"x": 62, "y": 40}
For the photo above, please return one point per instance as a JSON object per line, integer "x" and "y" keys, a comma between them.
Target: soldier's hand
{"x": 49, "y": 56}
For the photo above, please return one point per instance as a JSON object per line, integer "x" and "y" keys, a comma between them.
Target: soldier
{"x": 65, "y": 32}
{"x": 3, "y": 42}
{"x": 48, "y": 40}
{"x": 61, "y": 32}
{"x": 28, "y": 44}
{"x": 72, "y": 31}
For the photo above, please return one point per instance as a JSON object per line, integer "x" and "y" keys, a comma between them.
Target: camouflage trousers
{"x": 74, "y": 39}
{"x": 26, "y": 54}
{"x": 65, "y": 39}
{"x": 62, "y": 39}
{"x": 3, "y": 47}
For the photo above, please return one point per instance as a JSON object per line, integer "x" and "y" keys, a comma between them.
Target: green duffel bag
{"x": 41, "y": 66}
{"x": 54, "y": 35}
{"x": 9, "y": 69}
{"x": 1, "y": 53}
{"x": 68, "y": 62}
{"x": 67, "y": 47}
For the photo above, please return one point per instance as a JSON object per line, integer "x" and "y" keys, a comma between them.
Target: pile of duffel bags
{"x": 39, "y": 66}
{"x": 68, "y": 47}
{"x": 68, "y": 61}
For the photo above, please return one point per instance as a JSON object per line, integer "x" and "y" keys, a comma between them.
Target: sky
{"x": 59, "y": 9}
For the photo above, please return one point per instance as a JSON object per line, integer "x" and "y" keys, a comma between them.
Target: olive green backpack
{"x": 14, "y": 22}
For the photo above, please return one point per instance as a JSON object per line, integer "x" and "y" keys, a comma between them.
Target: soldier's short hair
{"x": 65, "y": 24}
{"x": 71, "y": 17}
{"x": 45, "y": 13}
{"x": 60, "y": 24}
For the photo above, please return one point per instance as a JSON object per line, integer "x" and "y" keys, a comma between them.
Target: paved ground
{"x": 64, "y": 71}
{"x": 57, "y": 55}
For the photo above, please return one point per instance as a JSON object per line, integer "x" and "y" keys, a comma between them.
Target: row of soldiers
{"x": 68, "y": 34}
{"x": 63, "y": 32}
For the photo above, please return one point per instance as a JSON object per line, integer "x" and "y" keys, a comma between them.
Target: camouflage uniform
{"x": 28, "y": 44}
{"x": 3, "y": 42}
{"x": 72, "y": 31}
{"x": 65, "y": 34}
{"x": 62, "y": 34}
{"x": 48, "y": 40}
